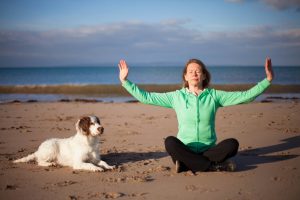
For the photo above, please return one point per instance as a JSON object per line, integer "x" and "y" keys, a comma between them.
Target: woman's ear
{"x": 185, "y": 77}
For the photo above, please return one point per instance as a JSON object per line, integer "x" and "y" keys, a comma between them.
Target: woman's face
{"x": 194, "y": 75}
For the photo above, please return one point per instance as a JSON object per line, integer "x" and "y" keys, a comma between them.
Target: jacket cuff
{"x": 265, "y": 82}
{"x": 126, "y": 83}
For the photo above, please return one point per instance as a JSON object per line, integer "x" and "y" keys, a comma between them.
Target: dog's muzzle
{"x": 101, "y": 130}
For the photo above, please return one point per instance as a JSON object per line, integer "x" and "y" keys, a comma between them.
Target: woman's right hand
{"x": 269, "y": 69}
{"x": 123, "y": 70}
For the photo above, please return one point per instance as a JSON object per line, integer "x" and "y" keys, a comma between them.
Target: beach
{"x": 61, "y": 61}
{"x": 268, "y": 163}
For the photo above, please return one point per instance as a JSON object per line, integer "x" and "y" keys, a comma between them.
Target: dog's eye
{"x": 92, "y": 123}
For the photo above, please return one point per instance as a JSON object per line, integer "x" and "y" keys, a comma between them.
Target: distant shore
{"x": 118, "y": 90}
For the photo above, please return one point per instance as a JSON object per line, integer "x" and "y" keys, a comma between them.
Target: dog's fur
{"x": 80, "y": 151}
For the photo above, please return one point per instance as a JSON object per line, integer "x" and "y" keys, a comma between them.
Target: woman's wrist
{"x": 123, "y": 81}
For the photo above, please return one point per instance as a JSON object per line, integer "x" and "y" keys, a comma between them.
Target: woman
{"x": 196, "y": 105}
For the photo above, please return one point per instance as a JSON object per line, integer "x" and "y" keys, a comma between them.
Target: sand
{"x": 268, "y": 160}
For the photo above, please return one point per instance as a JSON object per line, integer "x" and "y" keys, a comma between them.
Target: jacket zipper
{"x": 198, "y": 120}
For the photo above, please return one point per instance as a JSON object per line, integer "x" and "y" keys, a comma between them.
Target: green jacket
{"x": 196, "y": 114}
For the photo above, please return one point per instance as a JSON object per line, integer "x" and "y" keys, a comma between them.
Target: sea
{"x": 141, "y": 75}
{"x": 109, "y": 75}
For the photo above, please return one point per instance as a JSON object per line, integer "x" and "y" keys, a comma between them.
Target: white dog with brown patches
{"x": 80, "y": 151}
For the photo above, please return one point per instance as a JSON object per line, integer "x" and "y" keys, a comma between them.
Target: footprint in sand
{"x": 191, "y": 188}
{"x": 11, "y": 187}
{"x": 112, "y": 195}
{"x": 65, "y": 183}
{"x": 115, "y": 195}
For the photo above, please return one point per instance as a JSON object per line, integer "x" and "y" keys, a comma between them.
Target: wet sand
{"x": 118, "y": 90}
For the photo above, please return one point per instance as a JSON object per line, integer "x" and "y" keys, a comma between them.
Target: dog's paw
{"x": 98, "y": 169}
{"x": 46, "y": 164}
{"x": 111, "y": 167}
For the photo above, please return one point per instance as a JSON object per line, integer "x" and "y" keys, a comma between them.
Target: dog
{"x": 81, "y": 151}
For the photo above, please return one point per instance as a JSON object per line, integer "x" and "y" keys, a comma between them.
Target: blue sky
{"x": 97, "y": 32}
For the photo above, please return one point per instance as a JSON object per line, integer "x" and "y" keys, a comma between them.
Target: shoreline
{"x": 52, "y": 98}
{"x": 118, "y": 90}
{"x": 117, "y": 94}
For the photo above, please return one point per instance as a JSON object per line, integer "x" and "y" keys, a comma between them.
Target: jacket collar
{"x": 187, "y": 91}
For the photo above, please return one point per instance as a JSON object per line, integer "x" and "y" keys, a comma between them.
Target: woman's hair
{"x": 206, "y": 73}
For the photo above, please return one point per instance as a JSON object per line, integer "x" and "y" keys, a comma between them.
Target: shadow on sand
{"x": 249, "y": 159}
{"x": 126, "y": 157}
{"x": 246, "y": 160}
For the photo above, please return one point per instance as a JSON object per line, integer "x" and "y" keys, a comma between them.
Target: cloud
{"x": 175, "y": 22}
{"x": 235, "y": 1}
{"x": 283, "y": 4}
{"x": 167, "y": 42}
{"x": 277, "y": 4}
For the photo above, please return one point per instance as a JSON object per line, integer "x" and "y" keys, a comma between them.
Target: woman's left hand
{"x": 269, "y": 69}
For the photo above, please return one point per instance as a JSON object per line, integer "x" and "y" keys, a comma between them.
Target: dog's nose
{"x": 101, "y": 129}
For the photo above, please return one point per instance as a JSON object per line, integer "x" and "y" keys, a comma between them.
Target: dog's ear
{"x": 84, "y": 125}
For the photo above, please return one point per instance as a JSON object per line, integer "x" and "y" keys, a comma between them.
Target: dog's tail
{"x": 28, "y": 158}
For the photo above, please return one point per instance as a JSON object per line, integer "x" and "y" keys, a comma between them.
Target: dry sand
{"x": 268, "y": 160}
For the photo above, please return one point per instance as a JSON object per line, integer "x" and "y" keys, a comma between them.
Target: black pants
{"x": 200, "y": 161}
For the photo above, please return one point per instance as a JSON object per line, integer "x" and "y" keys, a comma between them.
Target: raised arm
{"x": 239, "y": 97}
{"x": 153, "y": 98}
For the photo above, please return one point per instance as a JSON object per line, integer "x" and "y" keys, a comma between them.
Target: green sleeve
{"x": 153, "y": 98}
{"x": 234, "y": 98}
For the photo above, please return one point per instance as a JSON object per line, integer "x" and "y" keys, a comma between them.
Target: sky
{"x": 148, "y": 32}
